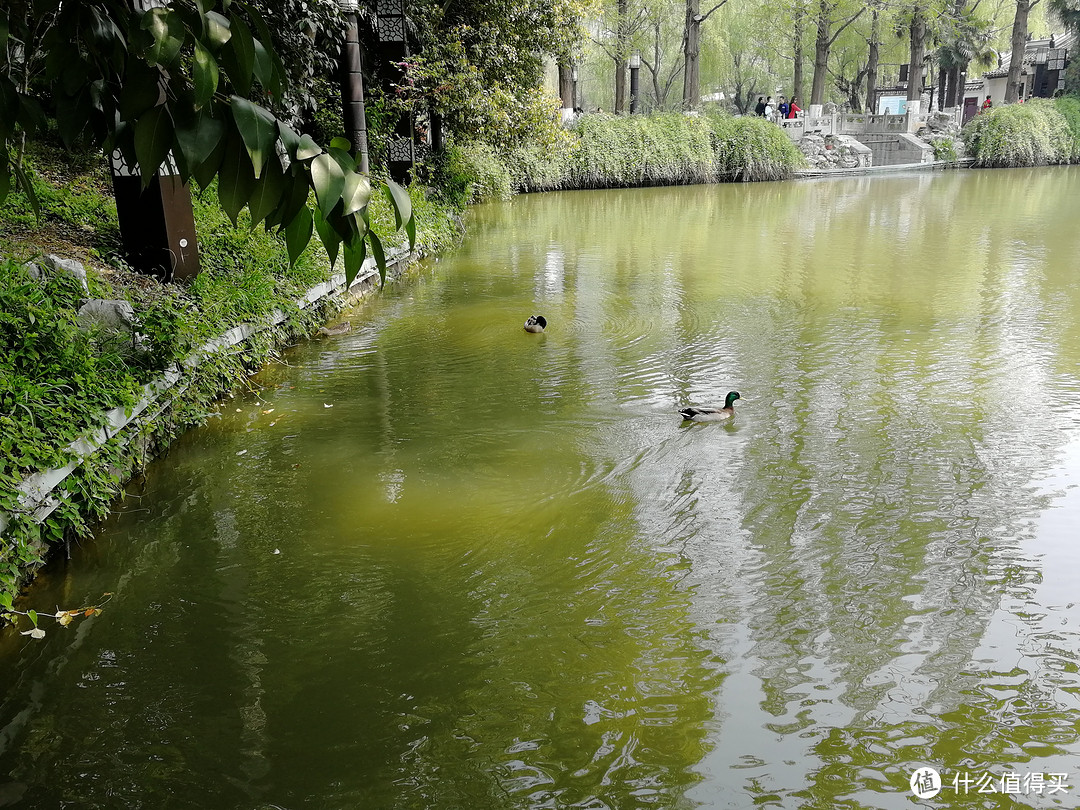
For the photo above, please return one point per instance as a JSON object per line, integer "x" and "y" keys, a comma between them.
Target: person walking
{"x": 793, "y": 107}
{"x": 769, "y": 109}
{"x": 986, "y": 105}
{"x": 759, "y": 110}
{"x": 782, "y": 108}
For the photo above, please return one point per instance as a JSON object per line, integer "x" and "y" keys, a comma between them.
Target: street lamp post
{"x": 352, "y": 84}
{"x": 635, "y": 66}
{"x": 394, "y": 46}
{"x": 573, "y": 76}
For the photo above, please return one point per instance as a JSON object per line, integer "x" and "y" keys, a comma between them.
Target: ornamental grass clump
{"x": 1030, "y": 134}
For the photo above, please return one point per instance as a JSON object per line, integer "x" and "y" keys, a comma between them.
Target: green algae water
{"x": 441, "y": 563}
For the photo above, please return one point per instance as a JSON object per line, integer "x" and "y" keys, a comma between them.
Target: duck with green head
{"x": 713, "y": 414}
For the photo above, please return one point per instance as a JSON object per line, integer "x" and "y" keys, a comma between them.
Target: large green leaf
{"x": 307, "y": 148}
{"x": 294, "y": 197}
{"x": 289, "y": 139}
{"x": 258, "y": 128}
{"x": 239, "y": 58}
{"x": 273, "y": 70}
{"x": 205, "y": 172}
{"x": 167, "y": 29}
{"x": 198, "y": 137}
{"x": 206, "y": 76}
{"x": 236, "y": 179}
{"x": 400, "y": 201}
{"x": 141, "y": 89}
{"x": 217, "y": 30}
{"x": 268, "y": 191}
{"x": 298, "y": 234}
{"x": 380, "y": 256}
{"x": 327, "y": 236}
{"x": 355, "y": 253}
{"x": 328, "y": 180}
{"x": 341, "y": 143}
{"x": 356, "y": 193}
{"x": 153, "y": 139}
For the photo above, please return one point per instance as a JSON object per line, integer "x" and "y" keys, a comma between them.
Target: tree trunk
{"x": 622, "y": 48}
{"x": 918, "y": 49}
{"x": 691, "y": 52}
{"x": 872, "y": 59}
{"x": 797, "y": 78}
{"x": 821, "y": 55}
{"x": 942, "y": 80}
{"x": 1019, "y": 43}
{"x": 566, "y": 84}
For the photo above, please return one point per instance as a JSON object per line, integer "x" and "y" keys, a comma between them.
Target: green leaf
{"x": 268, "y": 190}
{"x": 239, "y": 57}
{"x": 141, "y": 90}
{"x": 27, "y": 187}
{"x": 345, "y": 160}
{"x": 356, "y": 193}
{"x": 328, "y": 180}
{"x": 167, "y": 29}
{"x": 32, "y": 616}
{"x": 205, "y": 172}
{"x": 258, "y": 128}
{"x": 153, "y": 139}
{"x": 328, "y": 237}
{"x": 5, "y": 600}
{"x": 380, "y": 257}
{"x": 9, "y": 107}
{"x": 217, "y": 30}
{"x": 206, "y": 76}
{"x": 410, "y": 229}
{"x": 298, "y": 234}
{"x": 400, "y": 201}
{"x": 354, "y": 260}
{"x": 5, "y": 177}
{"x": 341, "y": 143}
{"x": 273, "y": 69}
{"x": 307, "y": 148}
{"x": 236, "y": 180}
{"x": 198, "y": 137}
{"x": 289, "y": 139}
{"x": 294, "y": 197}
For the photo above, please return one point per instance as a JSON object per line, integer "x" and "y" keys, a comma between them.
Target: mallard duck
{"x": 338, "y": 329}
{"x": 713, "y": 414}
{"x": 536, "y": 323}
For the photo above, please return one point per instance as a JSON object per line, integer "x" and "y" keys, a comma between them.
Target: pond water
{"x": 441, "y": 563}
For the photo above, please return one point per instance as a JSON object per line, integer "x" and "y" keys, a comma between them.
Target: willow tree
{"x": 1019, "y": 43}
{"x": 833, "y": 17}
{"x": 692, "y": 51}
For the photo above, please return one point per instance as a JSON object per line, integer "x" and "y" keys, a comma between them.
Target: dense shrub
{"x": 474, "y": 172}
{"x": 1069, "y": 107}
{"x": 1031, "y": 134}
{"x": 751, "y": 148}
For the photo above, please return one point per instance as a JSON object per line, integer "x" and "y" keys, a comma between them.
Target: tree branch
{"x": 708, "y": 13}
